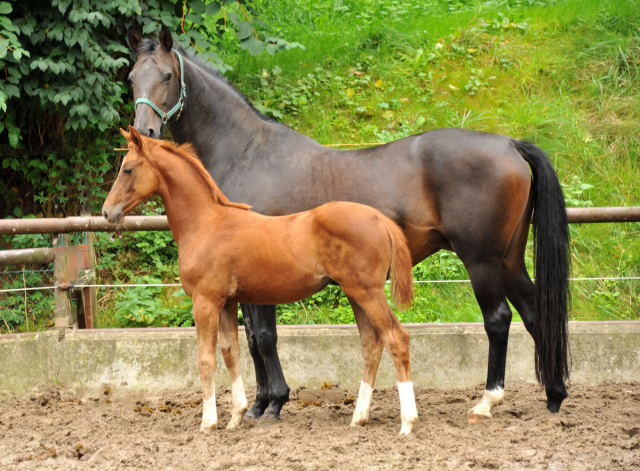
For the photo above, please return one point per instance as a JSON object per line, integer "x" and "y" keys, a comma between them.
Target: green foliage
{"x": 20, "y": 313}
{"x": 63, "y": 95}
{"x": 152, "y": 307}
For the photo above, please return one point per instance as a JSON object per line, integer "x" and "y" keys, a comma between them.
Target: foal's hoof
{"x": 208, "y": 428}
{"x": 477, "y": 417}
{"x": 359, "y": 422}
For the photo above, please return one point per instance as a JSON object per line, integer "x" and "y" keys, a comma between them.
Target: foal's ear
{"x": 135, "y": 138}
{"x": 124, "y": 133}
{"x": 134, "y": 38}
{"x": 166, "y": 41}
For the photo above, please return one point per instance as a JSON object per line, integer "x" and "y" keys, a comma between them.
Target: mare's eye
{"x": 167, "y": 77}
{"x": 128, "y": 171}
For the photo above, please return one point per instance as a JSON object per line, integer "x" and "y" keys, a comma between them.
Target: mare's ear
{"x": 166, "y": 41}
{"x": 135, "y": 138}
{"x": 124, "y": 133}
{"x": 134, "y": 38}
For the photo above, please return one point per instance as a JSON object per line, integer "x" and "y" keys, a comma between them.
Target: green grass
{"x": 564, "y": 74}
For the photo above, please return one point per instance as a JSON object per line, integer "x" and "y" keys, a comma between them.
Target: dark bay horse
{"x": 229, "y": 254}
{"x": 470, "y": 192}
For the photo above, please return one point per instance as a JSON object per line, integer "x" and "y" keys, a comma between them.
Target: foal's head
{"x": 136, "y": 182}
{"x": 155, "y": 77}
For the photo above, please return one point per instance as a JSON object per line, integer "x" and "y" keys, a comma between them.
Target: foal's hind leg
{"x": 372, "y": 348}
{"x": 231, "y": 354}
{"x": 396, "y": 338}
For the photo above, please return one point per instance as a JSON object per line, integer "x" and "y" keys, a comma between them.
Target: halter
{"x": 177, "y": 108}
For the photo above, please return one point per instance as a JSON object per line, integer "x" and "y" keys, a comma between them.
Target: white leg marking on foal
{"x": 239, "y": 399}
{"x": 209, "y": 413}
{"x": 490, "y": 398}
{"x": 408, "y": 411}
{"x": 238, "y": 394}
{"x": 361, "y": 413}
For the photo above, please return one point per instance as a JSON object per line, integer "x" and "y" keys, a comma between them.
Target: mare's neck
{"x": 216, "y": 119}
{"x": 187, "y": 198}
{"x": 226, "y": 132}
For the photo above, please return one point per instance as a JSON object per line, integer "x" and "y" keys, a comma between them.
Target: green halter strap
{"x": 177, "y": 108}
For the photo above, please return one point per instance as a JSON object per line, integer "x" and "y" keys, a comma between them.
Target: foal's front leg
{"x": 231, "y": 354}
{"x": 206, "y": 314}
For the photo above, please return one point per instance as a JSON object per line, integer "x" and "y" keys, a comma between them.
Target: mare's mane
{"x": 187, "y": 153}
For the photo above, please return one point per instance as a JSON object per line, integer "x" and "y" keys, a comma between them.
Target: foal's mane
{"x": 187, "y": 153}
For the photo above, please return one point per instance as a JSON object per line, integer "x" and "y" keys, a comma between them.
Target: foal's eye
{"x": 128, "y": 171}
{"x": 167, "y": 76}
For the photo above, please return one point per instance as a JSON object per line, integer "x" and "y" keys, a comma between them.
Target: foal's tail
{"x": 400, "y": 267}
{"x": 552, "y": 266}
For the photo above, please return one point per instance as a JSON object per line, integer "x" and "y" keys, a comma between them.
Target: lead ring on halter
{"x": 177, "y": 108}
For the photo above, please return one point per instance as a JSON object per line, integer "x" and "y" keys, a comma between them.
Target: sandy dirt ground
{"x": 598, "y": 429}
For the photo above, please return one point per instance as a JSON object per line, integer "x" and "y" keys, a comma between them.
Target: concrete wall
{"x": 443, "y": 356}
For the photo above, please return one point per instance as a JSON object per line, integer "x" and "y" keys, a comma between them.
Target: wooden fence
{"x": 74, "y": 265}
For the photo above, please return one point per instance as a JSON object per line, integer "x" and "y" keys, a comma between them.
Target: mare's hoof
{"x": 254, "y": 413}
{"x": 268, "y": 420}
{"x": 555, "y": 396}
{"x": 476, "y": 418}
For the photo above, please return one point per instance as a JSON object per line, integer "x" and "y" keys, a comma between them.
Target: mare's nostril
{"x": 150, "y": 132}
{"x": 104, "y": 214}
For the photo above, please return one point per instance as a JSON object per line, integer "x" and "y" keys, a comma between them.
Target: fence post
{"x": 86, "y": 301}
{"x": 63, "y": 313}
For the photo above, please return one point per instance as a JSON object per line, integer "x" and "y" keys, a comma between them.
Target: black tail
{"x": 552, "y": 266}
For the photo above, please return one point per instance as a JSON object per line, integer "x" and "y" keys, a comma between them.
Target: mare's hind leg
{"x": 521, "y": 293}
{"x": 372, "y": 348}
{"x": 374, "y": 304}
{"x": 263, "y": 339}
{"x": 486, "y": 279}
{"x": 231, "y": 353}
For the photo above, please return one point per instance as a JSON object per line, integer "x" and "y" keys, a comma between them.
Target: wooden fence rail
{"x": 159, "y": 223}
{"x": 74, "y": 265}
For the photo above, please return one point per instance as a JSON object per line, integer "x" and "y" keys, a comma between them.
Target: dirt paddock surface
{"x": 54, "y": 428}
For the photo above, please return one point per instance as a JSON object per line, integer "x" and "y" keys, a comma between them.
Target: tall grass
{"x": 564, "y": 74}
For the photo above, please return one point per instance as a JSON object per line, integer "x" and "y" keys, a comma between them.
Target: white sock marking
{"x": 490, "y": 398}
{"x": 209, "y": 412}
{"x": 238, "y": 395}
{"x": 408, "y": 410}
{"x": 361, "y": 413}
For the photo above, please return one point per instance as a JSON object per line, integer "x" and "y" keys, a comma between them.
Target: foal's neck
{"x": 187, "y": 197}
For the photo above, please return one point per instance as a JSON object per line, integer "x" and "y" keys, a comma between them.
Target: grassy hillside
{"x": 564, "y": 74}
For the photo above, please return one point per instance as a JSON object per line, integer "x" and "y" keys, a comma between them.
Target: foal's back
{"x": 280, "y": 259}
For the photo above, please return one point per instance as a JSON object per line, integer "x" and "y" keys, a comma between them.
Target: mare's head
{"x": 136, "y": 182}
{"x": 155, "y": 78}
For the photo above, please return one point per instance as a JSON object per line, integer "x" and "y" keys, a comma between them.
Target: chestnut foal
{"x": 230, "y": 254}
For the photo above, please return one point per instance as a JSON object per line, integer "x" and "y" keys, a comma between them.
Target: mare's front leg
{"x": 206, "y": 314}
{"x": 231, "y": 354}
{"x": 263, "y": 338}
{"x": 262, "y": 383}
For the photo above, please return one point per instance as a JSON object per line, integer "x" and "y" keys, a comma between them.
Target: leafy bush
{"x": 151, "y": 307}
